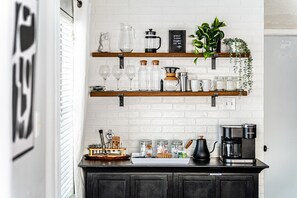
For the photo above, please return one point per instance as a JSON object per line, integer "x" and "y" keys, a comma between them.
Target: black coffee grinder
{"x": 238, "y": 144}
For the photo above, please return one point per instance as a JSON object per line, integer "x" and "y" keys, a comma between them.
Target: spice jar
{"x": 176, "y": 147}
{"x": 162, "y": 146}
{"x": 146, "y": 148}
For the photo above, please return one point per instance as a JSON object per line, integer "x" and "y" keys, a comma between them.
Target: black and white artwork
{"x": 23, "y": 66}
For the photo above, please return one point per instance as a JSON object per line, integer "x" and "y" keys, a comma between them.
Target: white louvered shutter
{"x": 66, "y": 107}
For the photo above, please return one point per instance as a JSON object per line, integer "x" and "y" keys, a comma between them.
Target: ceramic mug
{"x": 194, "y": 85}
{"x": 206, "y": 85}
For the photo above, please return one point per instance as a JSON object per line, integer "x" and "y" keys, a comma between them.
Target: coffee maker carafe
{"x": 238, "y": 144}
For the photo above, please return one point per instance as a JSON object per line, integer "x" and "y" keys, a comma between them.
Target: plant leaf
{"x": 195, "y": 60}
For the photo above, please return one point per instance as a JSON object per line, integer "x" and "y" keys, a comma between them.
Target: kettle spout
{"x": 214, "y": 146}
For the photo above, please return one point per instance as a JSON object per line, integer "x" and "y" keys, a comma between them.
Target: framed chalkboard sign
{"x": 177, "y": 40}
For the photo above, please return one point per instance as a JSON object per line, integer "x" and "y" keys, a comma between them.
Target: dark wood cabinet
{"x": 194, "y": 185}
{"x": 121, "y": 179}
{"x": 243, "y": 186}
{"x": 107, "y": 185}
{"x": 150, "y": 185}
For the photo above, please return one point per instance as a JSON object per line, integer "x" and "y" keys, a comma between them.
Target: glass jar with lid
{"x": 176, "y": 147}
{"x": 162, "y": 146}
{"x": 146, "y": 147}
{"x": 219, "y": 83}
{"x": 230, "y": 85}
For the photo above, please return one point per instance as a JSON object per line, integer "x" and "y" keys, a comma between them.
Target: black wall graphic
{"x": 23, "y": 66}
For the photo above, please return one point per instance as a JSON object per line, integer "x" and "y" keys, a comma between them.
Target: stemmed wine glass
{"x": 104, "y": 72}
{"x": 117, "y": 73}
{"x": 130, "y": 72}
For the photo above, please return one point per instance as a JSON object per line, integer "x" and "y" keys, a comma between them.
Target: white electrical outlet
{"x": 229, "y": 103}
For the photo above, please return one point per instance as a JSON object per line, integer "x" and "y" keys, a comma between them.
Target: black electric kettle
{"x": 201, "y": 152}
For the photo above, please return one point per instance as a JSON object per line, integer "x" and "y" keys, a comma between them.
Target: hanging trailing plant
{"x": 208, "y": 37}
{"x": 242, "y": 61}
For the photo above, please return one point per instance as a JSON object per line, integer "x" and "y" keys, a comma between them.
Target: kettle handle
{"x": 189, "y": 144}
{"x": 214, "y": 146}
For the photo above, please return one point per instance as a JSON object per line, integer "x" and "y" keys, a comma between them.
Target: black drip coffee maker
{"x": 238, "y": 144}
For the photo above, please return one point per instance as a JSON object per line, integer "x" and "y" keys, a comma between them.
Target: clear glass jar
{"x": 162, "y": 146}
{"x": 155, "y": 76}
{"x": 219, "y": 83}
{"x": 230, "y": 85}
{"x": 176, "y": 147}
{"x": 146, "y": 147}
{"x": 142, "y": 76}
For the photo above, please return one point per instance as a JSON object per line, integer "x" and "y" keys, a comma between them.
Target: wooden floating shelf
{"x": 164, "y": 93}
{"x": 160, "y": 54}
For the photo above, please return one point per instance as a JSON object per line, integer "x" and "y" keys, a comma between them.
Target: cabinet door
{"x": 236, "y": 187}
{"x": 109, "y": 185}
{"x": 150, "y": 185}
{"x": 194, "y": 186}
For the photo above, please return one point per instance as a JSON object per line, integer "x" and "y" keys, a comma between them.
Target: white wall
{"x": 5, "y": 99}
{"x": 174, "y": 117}
{"x": 280, "y": 14}
{"x": 31, "y": 177}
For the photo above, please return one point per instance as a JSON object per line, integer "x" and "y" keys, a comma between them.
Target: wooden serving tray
{"x": 107, "y": 157}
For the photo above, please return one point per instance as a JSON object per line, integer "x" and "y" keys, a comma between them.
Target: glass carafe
{"x": 126, "y": 38}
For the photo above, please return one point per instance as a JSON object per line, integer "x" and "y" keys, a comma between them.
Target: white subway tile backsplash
{"x": 174, "y": 117}
{"x": 184, "y": 107}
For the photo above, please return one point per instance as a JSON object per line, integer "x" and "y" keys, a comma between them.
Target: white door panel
{"x": 280, "y": 116}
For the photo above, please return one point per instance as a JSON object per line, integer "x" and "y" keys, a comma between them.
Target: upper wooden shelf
{"x": 160, "y": 54}
{"x": 164, "y": 93}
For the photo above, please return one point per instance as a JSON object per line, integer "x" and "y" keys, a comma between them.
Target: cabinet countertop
{"x": 214, "y": 165}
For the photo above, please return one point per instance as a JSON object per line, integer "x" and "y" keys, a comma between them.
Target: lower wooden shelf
{"x": 164, "y": 93}
{"x": 122, "y": 94}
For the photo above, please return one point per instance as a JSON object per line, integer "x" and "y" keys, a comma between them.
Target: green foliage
{"x": 243, "y": 61}
{"x": 211, "y": 35}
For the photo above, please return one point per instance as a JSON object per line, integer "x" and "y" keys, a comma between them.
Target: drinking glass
{"x": 130, "y": 72}
{"x": 104, "y": 72}
{"x": 117, "y": 73}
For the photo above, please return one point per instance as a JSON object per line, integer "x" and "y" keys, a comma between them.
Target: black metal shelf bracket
{"x": 121, "y": 100}
{"x": 121, "y": 58}
{"x": 213, "y": 99}
{"x": 213, "y": 61}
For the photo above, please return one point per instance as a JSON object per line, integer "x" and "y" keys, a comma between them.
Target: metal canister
{"x": 183, "y": 81}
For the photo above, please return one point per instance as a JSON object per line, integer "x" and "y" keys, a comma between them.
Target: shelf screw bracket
{"x": 121, "y": 58}
{"x": 121, "y": 100}
{"x": 213, "y": 99}
{"x": 213, "y": 61}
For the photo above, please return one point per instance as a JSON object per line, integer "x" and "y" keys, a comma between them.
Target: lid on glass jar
{"x": 177, "y": 142}
{"x": 143, "y": 62}
{"x": 155, "y": 62}
{"x": 146, "y": 141}
{"x": 162, "y": 141}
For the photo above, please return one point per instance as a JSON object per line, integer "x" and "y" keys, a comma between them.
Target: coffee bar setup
{"x": 174, "y": 168}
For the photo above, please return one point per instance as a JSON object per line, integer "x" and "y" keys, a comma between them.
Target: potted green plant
{"x": 242, "y": 60}
{"x": 208, "y": 38}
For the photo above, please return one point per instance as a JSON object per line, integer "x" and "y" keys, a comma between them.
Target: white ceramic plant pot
{"x": 235, "y": 47}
